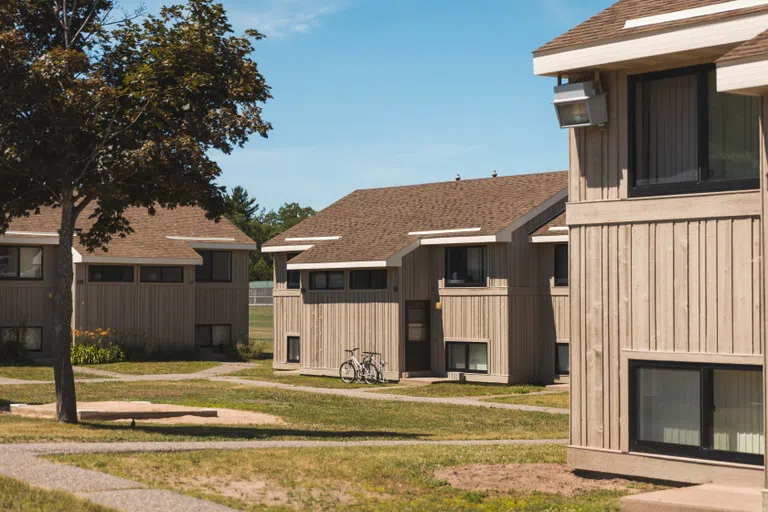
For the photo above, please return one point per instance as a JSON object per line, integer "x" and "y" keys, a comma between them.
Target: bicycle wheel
{"x": 348, "y": 373}
{"x": 370, "y": 373}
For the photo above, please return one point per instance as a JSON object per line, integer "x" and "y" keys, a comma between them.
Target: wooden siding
{"x": 287, "y": 322}
{"x": 226, "y": 303}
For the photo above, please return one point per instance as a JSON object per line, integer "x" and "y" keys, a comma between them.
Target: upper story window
{"x": 687, "y": 137}
{"x": 110, "y": 273}
{"x": 465, "y": 266}
{"x": 327, "y": 280}
{"x": 216, "y": 267}
{"x": 161, "y": 274}
{"x": 21, "y": 262}
{"x": 561, "y": 265}
{"x": 368, "y": 279}
{"x": 293, "y": 277}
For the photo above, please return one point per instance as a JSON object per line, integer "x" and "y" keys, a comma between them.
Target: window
{"x": 326, "y": 280}
{"x": 368, "y": 279}
{"x": 110, "y": 274}
{"x": 561, "y": 265}
{"x": 562, "y": 358}
{"x": 209, "y": 336}
{"x": 703, "y": 411}
{"x": 294, "y": 276}
{"x": 467, "y": 357}
{"x": 21, "y": 262}
{"x": 465, "y": 266}
{"x": 216, "y": 267}
{"x": 294, "y": 349}
{"x": 32, "y": 337}
{"x": 687, "y": 137}
{"x": 161, "y": 274}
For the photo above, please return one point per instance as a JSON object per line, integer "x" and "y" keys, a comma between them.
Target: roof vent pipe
{"x": 458, "y": 177}
{"x": 494, "y": 174}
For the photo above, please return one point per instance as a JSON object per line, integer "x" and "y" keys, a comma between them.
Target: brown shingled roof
{"x": 757, "y": 47}
{"x": 374, "y": 224}
{"x": 557, "y": 222}
{"x": 609, "y": 24}
{"x": 150, "y": 232}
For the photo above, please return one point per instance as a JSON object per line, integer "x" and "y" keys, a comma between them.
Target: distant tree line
{"x": 261, "y": 225}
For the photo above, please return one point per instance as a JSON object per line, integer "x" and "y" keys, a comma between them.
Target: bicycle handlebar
{"x": 352, "y": 350}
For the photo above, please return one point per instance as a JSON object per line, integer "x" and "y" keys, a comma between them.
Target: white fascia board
{"x": 396, "y": 260}
{"x": 505, "y": 235}
{"x": 287, "y": 248}
{"x": 313, "y": 239}
{"x": 28, "y": 240}
{"x": 200, "y": 239}
{"x": 77, "y": 257}
{"x": 651, "y": 45}
{"x": 549, "y": 239}
{"x": 738, "y": 76}
{"x": 559, "y": 228}
{"x": 32, "y": 233}
{"x": 337, "y": 265}
{"x": 224, "y": 246}
{"x": 686, "y": 14}
{"x": 444, "y": 231}
{"x": 461, "y": 240}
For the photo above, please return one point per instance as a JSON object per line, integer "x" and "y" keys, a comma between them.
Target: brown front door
{"x": 417, "y": 336}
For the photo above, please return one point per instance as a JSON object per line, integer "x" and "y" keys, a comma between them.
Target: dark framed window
{"x": 212, "y": 336}
{"x": 686, "y": 137}
{"x": 562, "y": 358}
{"x": 31, "y": 337}
{"x": 110, "y": 273}
{"x": 368, "y": 279}
{"x": 161, "y": 274}
{"x": 697, "y": 410}
{"x": 216, "y": 267}
{"x": 294, "y": 349}
{"x": 326, "y": 280}
{"x": 21, "y": 263}
{"x": 465, "y": 266}
{"x": 466, "y": 357}
{"x": 561, "y": 265}
{"x": 293, "y": 277}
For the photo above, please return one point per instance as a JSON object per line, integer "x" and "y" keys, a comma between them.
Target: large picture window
{"x": 326, "y": 280}
{"x": 466, "y": 357}
{"x": 211, "y": 336}
{"x": 685, "y": 136}
{"x": 702, "y": 411}
{"x": 161, "y": 274}
{"x": 216, "y": 267}
{"x": 21, "y": 262}
{"x": 368, "y": 279}
{"x": 465, "y": 266}
{"x": 31, "y": 337}
{"x": 110, "y": 273}
{"x": 561, "y": 265}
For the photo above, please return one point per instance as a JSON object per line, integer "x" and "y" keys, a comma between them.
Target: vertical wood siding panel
{"x": 680, "y": 295}
{"x": 742, "y": 286}
{"x": 694, "y": 282}
{"x": 711, "y": 277}
{"x": 640, "y": 287}
{"x": 725, "y": 286}
{"x": 594, "y": 337}
{"x": 665, "y": 291}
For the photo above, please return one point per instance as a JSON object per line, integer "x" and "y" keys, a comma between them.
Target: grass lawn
{"x": 458, "y": 389}
{"x": 260, "y": 319}
{"x": 15, "y": 495}
{"x": 381, "y": 479}
{"x": 35, "y": 373}
{"x": 263, "y": 371}
{"x": 306, "y": 415}
{"x": 156, "y": 368}
{"x": 556, "y": 400}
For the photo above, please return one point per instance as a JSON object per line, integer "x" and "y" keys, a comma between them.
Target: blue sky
{"x": 372, "y": 93}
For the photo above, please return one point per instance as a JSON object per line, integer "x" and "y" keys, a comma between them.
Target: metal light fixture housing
{"x": 580, "y": 104}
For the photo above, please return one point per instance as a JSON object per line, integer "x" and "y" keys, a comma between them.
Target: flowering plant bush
{"x": 96, "y": 347}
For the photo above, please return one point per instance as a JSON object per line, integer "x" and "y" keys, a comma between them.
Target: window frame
{"x": 288, "y": 340}
{"x": 327, "y": 280}
{"x": 210, "y": 335}
{"x": 557, "y": 358}
{"x": 446, "y": 274}
{"x": 18, "y": 329}
{"x": 209, "y": 278}
{"x": 706, "y": 406}
{"x": 448, "y": 344}
{"x": 162, "y": 269}
{"x": 18, "y": 276}
{"x": 561, "y": 282}
{"x": 100, "y": 265}
{"x": 369, "y": 286}
{"x": 702, "y": 99}
{"x": 292, "y": 285}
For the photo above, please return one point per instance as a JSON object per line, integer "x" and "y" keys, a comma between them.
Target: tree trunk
{"x": 66, "y": 403}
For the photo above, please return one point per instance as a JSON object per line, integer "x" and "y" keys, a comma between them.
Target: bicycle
{"x": 377, "y": 365}
{"x": 353, "y": 370}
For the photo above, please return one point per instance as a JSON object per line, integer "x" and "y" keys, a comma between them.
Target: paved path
{"x": 22, "y": 462}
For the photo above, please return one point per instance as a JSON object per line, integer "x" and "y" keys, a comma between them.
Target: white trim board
{"x": 199, "y": 239}
{"x": 29, "y": 240}
{"x": 460, "y": 240}
{"x": 31, "y": 233}
{"x": 313, "y": 239}
{"x": 505, "y": 235}
{"x": 224, "y": 246}
{"x": 549, "y": 239}
{"x": 109, "y": 260}
{"x": 686, "y": 14}
{"x": 651, "y": 45}
{"x": 286, "y": 248}
{"x": 444, "y": 231}
{"x": 742, "y": 76}
{"x": 337, "y": 265}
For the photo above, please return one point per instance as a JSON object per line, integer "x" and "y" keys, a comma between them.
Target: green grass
{"x": 15, "y": 495}
{"x": 157, "y": 368}
{"x": 260, "y": 321}
{"x": 458, "y": 389}
{"x": 35, "y": 373}
{"x": 555, "y": 400}
{"x": 306, "y": 415}
{"x": 383, "y": 479}
{"x": 263, "y": 371}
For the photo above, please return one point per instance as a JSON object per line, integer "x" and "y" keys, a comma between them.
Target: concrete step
{"x": 700, "y": 498}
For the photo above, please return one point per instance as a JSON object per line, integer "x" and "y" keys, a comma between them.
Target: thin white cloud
{"x": 284, "y": 18}
{"x": 565, "y": 12}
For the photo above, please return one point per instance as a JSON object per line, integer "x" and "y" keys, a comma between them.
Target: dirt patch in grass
{"x": 525, "y": 478}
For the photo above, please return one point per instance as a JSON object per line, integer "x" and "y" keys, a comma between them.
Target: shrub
{"x": 96, "y": 347}
{"x": 250, "y": 351}
{"x": 13, "y": 353}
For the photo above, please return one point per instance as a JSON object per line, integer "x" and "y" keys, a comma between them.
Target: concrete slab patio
{"x": 700, "y": 498}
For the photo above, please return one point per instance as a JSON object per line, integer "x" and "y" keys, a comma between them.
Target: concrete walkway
{"x": 22, "y": 462}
